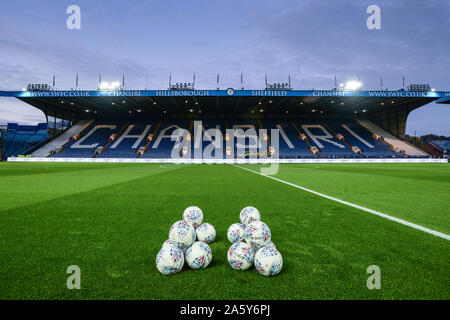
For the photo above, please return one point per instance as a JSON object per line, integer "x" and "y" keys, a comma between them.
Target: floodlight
{"x": 103, "y": 86}
{"x": 353, "y": 85}
{"x": 114, "y": 85}
{"x": 109, "y": 86}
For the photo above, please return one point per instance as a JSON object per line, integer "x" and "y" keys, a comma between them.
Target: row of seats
{"x": 356, "y": 135}
{"x": 397, "y": 143}
{"x": 18, "y": 139}
{"x": 305, "y": 138}
{"x": 162, "y": 145}
{"x": 97, "y": 135}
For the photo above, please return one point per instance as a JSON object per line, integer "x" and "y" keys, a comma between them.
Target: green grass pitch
{"x": 111, "y": 220}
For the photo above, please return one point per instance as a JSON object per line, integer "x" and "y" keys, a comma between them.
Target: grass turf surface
{"x": 111, "y": 219}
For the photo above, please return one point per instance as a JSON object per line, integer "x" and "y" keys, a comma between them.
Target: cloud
{"x": 36, "y": 63}
{"x": 310, "y": 40}
{"x": 13, "y": 110}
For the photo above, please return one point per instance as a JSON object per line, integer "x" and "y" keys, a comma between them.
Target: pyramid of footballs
{"x": 252, "y": 245}
{"x": 189, "y": 238}
{"x": 188, "y": 241}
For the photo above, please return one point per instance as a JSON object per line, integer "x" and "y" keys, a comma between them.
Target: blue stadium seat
{"x": 244, "y": 125}
{"x": 18, "y": 139}
{"x": 291, "y": 146}
{"x": 161, "y": 146}
{"x": 126, "y": 147}
{"x": 213, "y": 124}
{"x": 370, "y": 147}
{"x": 321, "y": 133}
{"x": 97, "y": 136}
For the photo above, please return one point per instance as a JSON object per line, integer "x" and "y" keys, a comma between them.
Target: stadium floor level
{"x": 111, "y": 220}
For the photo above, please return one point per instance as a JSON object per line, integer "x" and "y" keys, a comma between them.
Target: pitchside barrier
{"x": 230, "y": 161}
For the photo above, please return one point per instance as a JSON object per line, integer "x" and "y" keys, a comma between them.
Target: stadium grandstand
{"x": 22, "y": 139}
{"x": 440, "y": 148}
{"x": 139, "y": 124}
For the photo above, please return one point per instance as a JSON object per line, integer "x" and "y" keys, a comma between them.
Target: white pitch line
{"x": 377, "y": 213}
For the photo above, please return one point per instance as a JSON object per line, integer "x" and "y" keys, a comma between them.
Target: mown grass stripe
{"x": 374, "y": 212}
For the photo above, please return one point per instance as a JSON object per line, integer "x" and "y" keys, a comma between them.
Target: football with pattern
{"x": 268, "y": 261}
{"x": 170, "y": 259}
{"x": 248, "y": 215}
{"x": 194, "y": 215}
{"x": 182, "y": 233}
{"x": 199, "y": 255}
{"x": 206, "y": 232}
{"x": 236, "y": 232}
{"x": 240, "y": 256}
{"x": 257, "y": 235}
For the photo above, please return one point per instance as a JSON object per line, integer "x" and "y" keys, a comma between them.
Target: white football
{"x": 257, "y": 234}
{"x": 240, "y": 256}
{"x": 268, "y": 261}
{"x": 182, "y": 233}
{"x": 193, "y": 215}
{"x": 199, "y": 255}
{"x": 170, "y": 259}
{"x": 236, "y": 232}
{"x": 169, "y": 243}
{"x": 271, "y": 244}
{"x": 248, "y": 215}
{"x": 206, "y": 232}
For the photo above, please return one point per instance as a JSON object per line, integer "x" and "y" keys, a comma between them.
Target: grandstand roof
{"x": 220, "y": 103}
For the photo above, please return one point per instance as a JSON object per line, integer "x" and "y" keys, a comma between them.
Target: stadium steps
{"x": 81, "y": 134}
{"x": 390, "y": 146}
{"x": 118, "y": 134}
{"x": 390, "y": 139}
{"x": 335, "y": 135}
{"x": 307, "y": 139}
{"x": 227, "y": 144}
{"x": 269, "y": 144}
{"x": 186, "y": 143}
{"x": 147, "y": 145}
{"x": 62, "y": 140}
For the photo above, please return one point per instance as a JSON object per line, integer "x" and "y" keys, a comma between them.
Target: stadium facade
{"x": 308, "y": 125}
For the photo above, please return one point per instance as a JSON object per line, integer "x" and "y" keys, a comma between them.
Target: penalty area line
{"x": 374, "y": 212}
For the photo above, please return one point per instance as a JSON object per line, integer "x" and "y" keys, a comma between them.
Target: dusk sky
{"x": 312, "y": 40}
